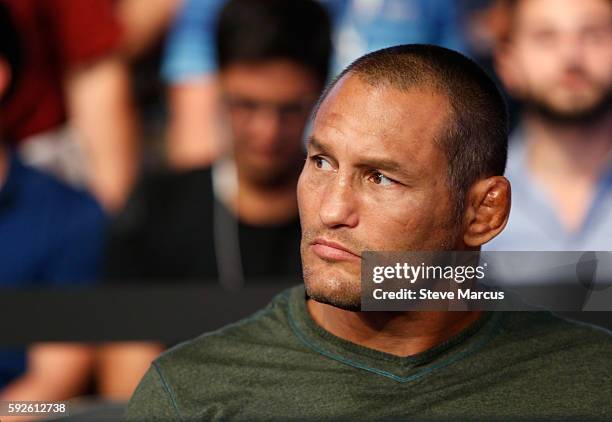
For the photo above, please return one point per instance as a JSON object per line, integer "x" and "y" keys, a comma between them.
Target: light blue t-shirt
{"x": 535, "y": 226}
{"x": 189, "y": 50}
{"x": 360, "y": 26}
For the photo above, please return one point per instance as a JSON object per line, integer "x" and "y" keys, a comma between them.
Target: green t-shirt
{"x": 280, "y": 365}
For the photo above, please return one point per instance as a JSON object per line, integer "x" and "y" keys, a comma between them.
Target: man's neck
{"x": 568, "y": 161}
{"x": 400, "y": 334}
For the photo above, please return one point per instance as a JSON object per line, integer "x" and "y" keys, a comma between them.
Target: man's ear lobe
{"x": 487, "y": 211}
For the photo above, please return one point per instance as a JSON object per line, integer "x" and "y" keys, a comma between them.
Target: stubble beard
{"x": 341, "y": 291}
{"x": 578, "y": 117}
{"x": 344, "y": 292}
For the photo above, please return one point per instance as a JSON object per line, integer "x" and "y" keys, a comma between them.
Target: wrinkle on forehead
{"x": 366, "y": 117}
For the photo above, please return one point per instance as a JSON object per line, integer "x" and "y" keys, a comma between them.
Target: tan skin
{"x": 143, "y": 23}
{"x": 100, "y": 109}
{"x": 193, "y": 133}
{"x": 560, "y": 53}
{"x": 372, "y": 182}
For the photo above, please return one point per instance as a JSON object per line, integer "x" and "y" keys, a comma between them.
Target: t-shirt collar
{"x": 401, "y": 369}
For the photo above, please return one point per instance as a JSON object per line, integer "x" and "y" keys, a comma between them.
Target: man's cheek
{"x": 307, "y": 189}
{"x": 398, "y": 231}
{"x": 306, "y": 203}
{"x": 300, "y": 188}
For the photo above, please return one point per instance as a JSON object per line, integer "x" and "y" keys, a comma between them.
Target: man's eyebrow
{"x": 316, "y": 144}
{"x": 383, "y": 164}
{"x": 393, "y": 167}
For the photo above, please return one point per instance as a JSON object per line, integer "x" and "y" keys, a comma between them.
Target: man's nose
{"x": 572, "y": 49}
{"x": 339, "y": 204}
{"x": 266, "y": 124}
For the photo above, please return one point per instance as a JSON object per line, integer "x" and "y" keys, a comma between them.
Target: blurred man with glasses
{"x": 237, "y": 219}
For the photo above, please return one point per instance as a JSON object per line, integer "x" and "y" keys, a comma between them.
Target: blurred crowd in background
{"x": 162, "y": 140}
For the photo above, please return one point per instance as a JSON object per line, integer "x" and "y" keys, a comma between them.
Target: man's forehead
{"x": 381, "y": 115}
{"x": 562, "y": 14}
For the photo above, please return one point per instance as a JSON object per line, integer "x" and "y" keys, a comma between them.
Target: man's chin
{"x": 578, "y": 112}
{"x": 339, "y": 295}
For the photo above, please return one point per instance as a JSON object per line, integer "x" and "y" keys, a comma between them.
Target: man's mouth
{"x": 333, "y": 251}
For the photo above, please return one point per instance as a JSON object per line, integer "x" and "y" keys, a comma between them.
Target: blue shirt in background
{"x": 50, "y": 235}
{"x": 363, "y": 26}
{"x": 360, "y": 26}
{"x": 535, "y": 226}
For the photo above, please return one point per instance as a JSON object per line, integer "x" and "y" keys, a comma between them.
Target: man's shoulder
{"x": 64, "y": 212}
{"x": 543, "y": 322}
{"x": 191, "y": 377}
{"x": 243, "y": 341}
{"x": 556, "y": 337}
{"x": 49, "y": 192}
{"x": 561, "y": 362}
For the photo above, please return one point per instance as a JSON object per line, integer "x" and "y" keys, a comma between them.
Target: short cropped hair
{"x": 10, "y": 49}
{"x": 475, "y": 139}
{"x": 251, "y": 31}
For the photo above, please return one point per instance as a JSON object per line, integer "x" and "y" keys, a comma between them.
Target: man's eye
{"x": 597, "y": 34}
{"x": 321, "y": 163}
{"x": 380, "y": 179}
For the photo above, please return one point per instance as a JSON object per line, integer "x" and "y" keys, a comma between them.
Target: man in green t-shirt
{"x": 407, "y": 152}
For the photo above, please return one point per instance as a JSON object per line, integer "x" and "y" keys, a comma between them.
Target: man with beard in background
{"x": 557, "y": 59}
